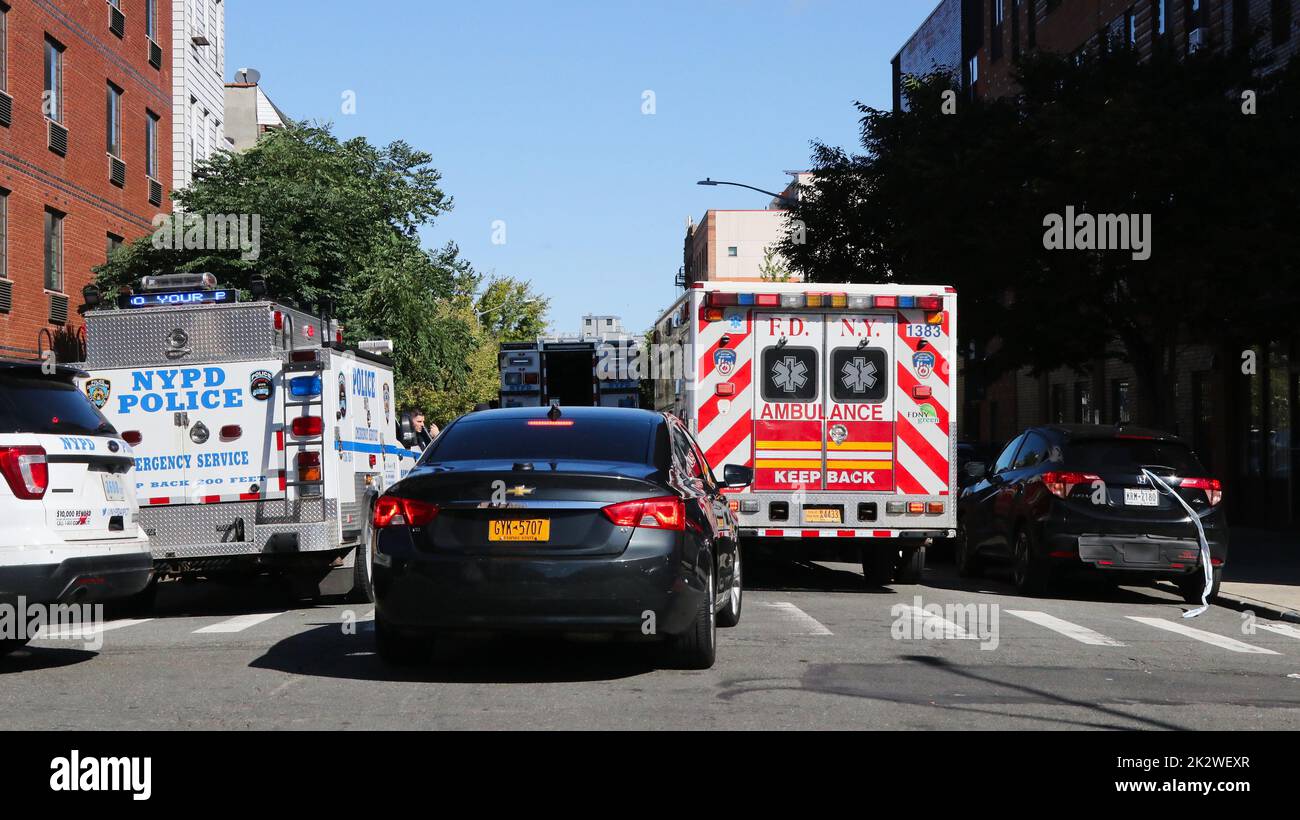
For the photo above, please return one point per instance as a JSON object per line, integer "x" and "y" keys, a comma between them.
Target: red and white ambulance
{"x": 842, "y": 400}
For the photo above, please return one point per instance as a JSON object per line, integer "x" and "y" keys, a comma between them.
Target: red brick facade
{"x": 78, "y": 184}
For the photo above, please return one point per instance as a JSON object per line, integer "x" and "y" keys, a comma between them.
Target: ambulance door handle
{"x": 182, "y": 419}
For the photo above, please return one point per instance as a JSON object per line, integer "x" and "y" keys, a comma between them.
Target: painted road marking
{"x": 87, "y": 630}
{"x": 949, "y": 629}
{"x": 1211, "y": 638}
{"x": 1282, "y": 629}
{"x": 811, "y": 625}
{"x": 1073, "y": 631}
{"x": 238, "y": 623}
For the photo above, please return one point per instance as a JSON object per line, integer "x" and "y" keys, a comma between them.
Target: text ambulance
{"x": 840, "y": 398}
{"x": 260, "y": 441}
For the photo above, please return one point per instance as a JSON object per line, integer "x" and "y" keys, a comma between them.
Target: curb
{"x": 1268, "y": 610}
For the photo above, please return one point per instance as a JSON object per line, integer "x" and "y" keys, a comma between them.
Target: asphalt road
{"x": 816, "y": 648}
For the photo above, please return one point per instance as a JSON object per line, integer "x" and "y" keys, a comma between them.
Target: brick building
{"x": 85, "y": 150}
{"x": 1241, "y": 423}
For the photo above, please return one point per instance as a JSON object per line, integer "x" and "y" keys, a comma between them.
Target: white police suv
{"x": 68, "y": 529}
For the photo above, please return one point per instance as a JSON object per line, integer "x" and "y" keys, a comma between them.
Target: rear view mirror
{"x": 736, "y": 476}
{"x": 976, "y": 469}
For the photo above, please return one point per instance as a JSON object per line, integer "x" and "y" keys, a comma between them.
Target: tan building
{"x": 740, "y": 245}
{"x": 249, "y": 112}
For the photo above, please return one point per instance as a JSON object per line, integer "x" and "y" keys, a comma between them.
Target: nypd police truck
{"x": 260, "y": 441}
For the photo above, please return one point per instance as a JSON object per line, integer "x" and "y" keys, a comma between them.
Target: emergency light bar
{"x": 855, "y": 301}
{"x": 179, "y": 281}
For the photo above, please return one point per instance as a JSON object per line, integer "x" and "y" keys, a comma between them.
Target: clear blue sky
{"x": 532, "y": 112}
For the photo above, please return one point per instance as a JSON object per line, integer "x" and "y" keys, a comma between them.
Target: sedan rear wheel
{"x": 696, "y": 648}
{"x": 730, "y": 614}
{"x": 1193, "y": 585}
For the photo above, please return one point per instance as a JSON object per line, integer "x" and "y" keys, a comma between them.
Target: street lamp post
{"x": 785, "y": 200}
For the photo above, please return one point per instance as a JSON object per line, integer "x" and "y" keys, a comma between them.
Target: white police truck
{"x": 260, "y": 440}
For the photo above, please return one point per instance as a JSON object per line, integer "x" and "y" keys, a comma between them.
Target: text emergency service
{"x": 189, "y": 388}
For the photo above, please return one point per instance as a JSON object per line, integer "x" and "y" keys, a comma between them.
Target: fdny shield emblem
{"x": 98, "y": 390}
{"x": 725, "y": 361}
{"x": 923, "y": 361}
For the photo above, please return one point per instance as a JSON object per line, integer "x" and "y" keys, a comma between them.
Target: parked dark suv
{"x": 1063, "y": 497}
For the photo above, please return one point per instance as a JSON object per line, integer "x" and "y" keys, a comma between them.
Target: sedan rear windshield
{"x": 524, "y": 439}
{"x": 42, "y": 404}
{"x": 1131, "y": 454}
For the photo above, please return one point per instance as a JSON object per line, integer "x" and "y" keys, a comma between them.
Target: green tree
{"x": 511, "y": 310}
{"x": 963, "y": 199}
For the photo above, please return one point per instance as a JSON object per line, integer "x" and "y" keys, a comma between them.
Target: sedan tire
{"x": 730, "y": 614}
{"x": 1193, "y": 585}
{"x": 968, "y": 561}
{"x": 1027, "y": 569}
{"x": 696, "y": 648}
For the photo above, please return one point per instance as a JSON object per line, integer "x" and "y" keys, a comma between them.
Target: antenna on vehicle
{"x": 554, "y": 413}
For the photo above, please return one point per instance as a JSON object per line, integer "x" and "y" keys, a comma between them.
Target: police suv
{"x": 68, "y": 513}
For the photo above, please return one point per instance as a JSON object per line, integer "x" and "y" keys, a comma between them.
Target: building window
{"x": 732, "y": 250}
{"x": 53, "y": 92}
{"x": 150, "y": 9}
{"x": 1082, "y": 403}
{"x": 974, "y": 67}
{"x": 1281, "y": 19}
{"x": 114, "y": 242}
{"x": 1119, "y": 405}
{"x": 113, "y": 125}
{"x": 53, "y": 250}
{"x": 151, "y": 144}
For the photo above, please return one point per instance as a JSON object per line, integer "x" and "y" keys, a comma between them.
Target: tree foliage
{"x": 963, "y": 199}
{"x": 340, "y": 220}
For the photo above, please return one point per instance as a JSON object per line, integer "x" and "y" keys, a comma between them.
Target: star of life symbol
{"x": 859, "y": 374}
{"x": 789, "y": 374}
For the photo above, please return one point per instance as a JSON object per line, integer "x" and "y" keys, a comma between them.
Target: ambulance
{"x": 841, "y": 399}
{"x": 260, "y": 441}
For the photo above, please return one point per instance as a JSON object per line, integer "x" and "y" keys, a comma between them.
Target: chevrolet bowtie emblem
{"x": 520, "y": 491}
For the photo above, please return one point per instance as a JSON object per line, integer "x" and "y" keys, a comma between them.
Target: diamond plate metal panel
{"x": 195, "y": 531}
{"x": 213, "y": 333}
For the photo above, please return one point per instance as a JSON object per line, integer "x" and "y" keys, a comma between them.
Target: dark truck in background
{"x": 541, "y": 373}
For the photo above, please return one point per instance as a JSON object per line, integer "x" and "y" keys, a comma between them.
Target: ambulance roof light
{"x": 178, "y": 281}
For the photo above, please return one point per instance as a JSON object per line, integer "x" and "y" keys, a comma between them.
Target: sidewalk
{"x": 1263, "y": 573}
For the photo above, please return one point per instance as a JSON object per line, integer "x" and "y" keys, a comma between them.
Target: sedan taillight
{"x": 663, "y": 513}
{"x": 1212, "y": 487}
{"x": 393, "y": 511}
{"x": 1060, "y": 483}
{"x": 25, "y": 470}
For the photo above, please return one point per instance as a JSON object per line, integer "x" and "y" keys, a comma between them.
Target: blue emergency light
{"x": 304, "y": 387}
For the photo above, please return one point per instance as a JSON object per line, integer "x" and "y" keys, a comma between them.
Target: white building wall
{"x": 198, "y": 85}
{"x": 751, "y": 233}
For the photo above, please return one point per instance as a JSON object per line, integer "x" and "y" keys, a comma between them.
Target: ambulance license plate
{"x": 113, "y": 488}
{"x": 519, "y": 529}
{"x": 1138, "y": 497}
{"x": 823, "y": 515}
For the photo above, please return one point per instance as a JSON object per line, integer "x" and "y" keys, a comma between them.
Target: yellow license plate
{"x": 520, "y": 529}
{"x": 831, "y": 516}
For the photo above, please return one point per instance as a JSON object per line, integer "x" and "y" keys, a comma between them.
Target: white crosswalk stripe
{"x": 1221, "y": 641}
{"x": 810, "y": 625}
{"x": 88, "y": 631}
{"x": 238, "y": 623}
{"x": 1070, "y": 630}
{"x": 933, "y": 621}
{"x": 1289, "y": 630}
